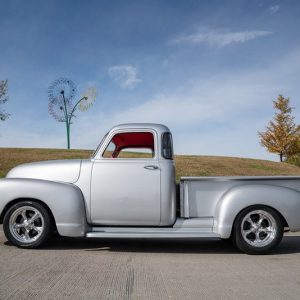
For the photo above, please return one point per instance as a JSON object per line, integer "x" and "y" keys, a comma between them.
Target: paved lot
{"x": 137, "y": 269}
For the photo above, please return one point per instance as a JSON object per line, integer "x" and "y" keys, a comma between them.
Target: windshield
{"x": 103, "y": 139}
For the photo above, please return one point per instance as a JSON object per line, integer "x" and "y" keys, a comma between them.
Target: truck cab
{"x": 133, "y": 177}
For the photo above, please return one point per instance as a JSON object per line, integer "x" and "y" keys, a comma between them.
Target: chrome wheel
{"x": 258, "y": 228}
{"x": 26, "y": 224}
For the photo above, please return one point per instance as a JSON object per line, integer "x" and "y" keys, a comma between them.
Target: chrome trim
{"x": 151, "y": 167}
{"x": 258, "y": 228}
{"x": 26, "y": 224}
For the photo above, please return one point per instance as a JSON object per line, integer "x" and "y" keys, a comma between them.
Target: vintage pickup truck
{"x": 127, "y": 190}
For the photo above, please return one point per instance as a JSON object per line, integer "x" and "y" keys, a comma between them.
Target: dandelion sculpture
{"x": 62, "y": 105}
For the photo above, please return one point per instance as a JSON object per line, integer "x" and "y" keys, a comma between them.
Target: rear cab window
{"x": 167, "y": 145}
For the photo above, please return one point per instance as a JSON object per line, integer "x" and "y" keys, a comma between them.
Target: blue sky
{"x": 207, "y": 69}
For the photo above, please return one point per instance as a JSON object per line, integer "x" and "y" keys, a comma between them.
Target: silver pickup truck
{"x": 128, "y": 190}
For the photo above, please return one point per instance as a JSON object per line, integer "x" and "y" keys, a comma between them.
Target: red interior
{"x": 132, "y": 140}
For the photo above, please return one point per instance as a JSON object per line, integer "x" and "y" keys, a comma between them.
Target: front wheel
{"x": 257, "y": 230}
{"x": 27, "y": 224}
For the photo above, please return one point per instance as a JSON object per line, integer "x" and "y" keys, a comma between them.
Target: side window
{"x": 109, "y": 150}
{"x": 167, "y": 145}
{"x": 131, "y": 145}
{"x": 136, "y": 153}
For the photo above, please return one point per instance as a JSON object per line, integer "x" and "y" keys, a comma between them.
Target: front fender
{"x": 285, "y": 200}
{"x": 64, "y": 200}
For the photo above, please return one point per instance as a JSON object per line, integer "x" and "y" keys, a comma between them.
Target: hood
{"x": 53, "y": 170}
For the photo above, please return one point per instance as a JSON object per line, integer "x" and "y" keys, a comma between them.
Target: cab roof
{"x": 159, "y": 128}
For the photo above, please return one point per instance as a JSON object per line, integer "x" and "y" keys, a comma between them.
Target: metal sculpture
{"x": 62, "y": 106}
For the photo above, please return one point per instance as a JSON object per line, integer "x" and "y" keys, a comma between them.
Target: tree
{"x": 282, "y": 135}
{"x": 3, "y": 99}
{"x": 294, "y": 158}
{"x": 61, "y": 102}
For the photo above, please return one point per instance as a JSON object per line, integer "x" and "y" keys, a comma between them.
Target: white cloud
{"x": 18, "y": 137}
{"x": 202, "y": 102}
{"x": 125, "y": 75}
{"x": 218, "y": 37}
{"x": 273, "y": 9}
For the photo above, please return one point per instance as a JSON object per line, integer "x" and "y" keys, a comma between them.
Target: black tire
{"x": 35, "y": 238}
{"x": 264, "y": 236}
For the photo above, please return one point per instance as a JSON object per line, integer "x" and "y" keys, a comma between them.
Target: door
{"x": 125, "y": 186}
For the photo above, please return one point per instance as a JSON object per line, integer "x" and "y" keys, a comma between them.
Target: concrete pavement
{"x": 138, "y": 269}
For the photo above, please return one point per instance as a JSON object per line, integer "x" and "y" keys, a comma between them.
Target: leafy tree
{"x": 3, "y": 99}
{"x": 282, "y": 135}
{"x": 295, "y": 157}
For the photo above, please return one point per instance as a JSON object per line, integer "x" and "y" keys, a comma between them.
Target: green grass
{"x": 185, "y": 165}
{"x": 11, "y": 157}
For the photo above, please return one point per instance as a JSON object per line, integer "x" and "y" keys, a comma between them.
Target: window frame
{"x": 101, "y": 151}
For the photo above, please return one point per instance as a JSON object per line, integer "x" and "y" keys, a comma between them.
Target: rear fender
{"x": 285, "y": 200}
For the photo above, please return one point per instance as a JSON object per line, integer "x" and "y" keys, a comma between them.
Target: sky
{"x": 209, "y": 70}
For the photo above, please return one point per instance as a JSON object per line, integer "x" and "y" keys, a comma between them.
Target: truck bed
{"x": 199, "y": 196}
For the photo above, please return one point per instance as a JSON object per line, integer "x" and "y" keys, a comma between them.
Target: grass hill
{"x": 186, "y": 165}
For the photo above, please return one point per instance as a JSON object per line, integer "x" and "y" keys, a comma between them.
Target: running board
{"x": 155, "y": 234}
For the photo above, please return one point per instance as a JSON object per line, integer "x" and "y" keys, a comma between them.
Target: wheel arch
{"x": 64, "y": 202}
{"x": 284, "y": 222}
{"x": 285, "y": 201}
{"x": 15, "y": 201}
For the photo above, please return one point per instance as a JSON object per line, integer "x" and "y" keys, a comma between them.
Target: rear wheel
{"x": 258, "y": 230}
{"x": 27, "y": 224}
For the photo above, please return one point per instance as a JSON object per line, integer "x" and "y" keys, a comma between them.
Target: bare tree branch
{"x": 3, "y": 99}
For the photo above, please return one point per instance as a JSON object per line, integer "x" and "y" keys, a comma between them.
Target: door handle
{"x": 151, "y": 167}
